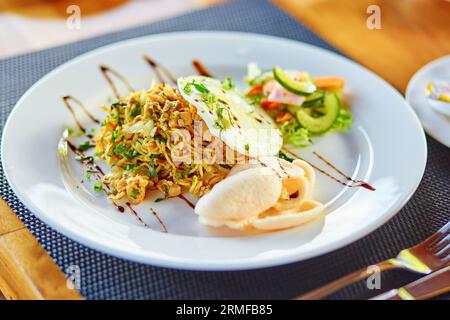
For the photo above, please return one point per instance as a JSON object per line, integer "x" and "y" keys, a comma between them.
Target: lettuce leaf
{"x": 295, "y": 134}
{"x": 343, "y": 121}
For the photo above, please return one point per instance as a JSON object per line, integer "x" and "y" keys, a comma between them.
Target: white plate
{"x": 435, "y": 123}
{"x": 386, "y": 147}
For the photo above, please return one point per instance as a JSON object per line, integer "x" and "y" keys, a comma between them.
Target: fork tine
{"x": 437, "y": 236}
{"x": 431, "y": 239}
{"x": 445, "y": 229}
{"x": 441, "y": 245}
{"x": 445, "y": 254}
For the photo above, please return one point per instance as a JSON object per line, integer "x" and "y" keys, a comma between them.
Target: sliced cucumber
{"x": 303, "y": 88}
{"x": 316, "y": 95}
{"x": 323, "y": 123}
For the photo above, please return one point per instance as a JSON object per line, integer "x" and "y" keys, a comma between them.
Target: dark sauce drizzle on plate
{"x": 159, "y": 219}
{"x": 190, "y": 204}
{"x": 66, "y": 100}
{"x": 353, "y": 183}
{"x": 157, "y": 68}
{"x": 201, "y": 68}
{"x": 106, "y": 71}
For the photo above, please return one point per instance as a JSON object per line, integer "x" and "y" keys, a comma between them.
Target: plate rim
{"x": 215, "y": 265}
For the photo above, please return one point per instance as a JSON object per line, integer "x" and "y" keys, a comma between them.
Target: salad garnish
{"x": 303, "y": 106}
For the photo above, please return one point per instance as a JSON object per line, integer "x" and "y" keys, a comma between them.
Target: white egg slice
{"x": 241, "y": 126}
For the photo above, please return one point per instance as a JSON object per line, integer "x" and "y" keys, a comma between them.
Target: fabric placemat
{"x": 107, "y": 277}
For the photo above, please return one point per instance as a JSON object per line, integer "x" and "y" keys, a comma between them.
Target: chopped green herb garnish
{"x": 120, "y": 149}
{"x": 152, "y": 170}
{"x": 160, "y": 199}
{"x": 187, "y": 88}
{"x": 89, "y": 172}
{"x": 116, "y": 104}
{"x": 247, "y": 147}
{"x": 85, "y": 146}
{"x": 80, "y": 133}
{"x": 136, "y": 111}
{"x": 84, "y": 158}
{"x": 178, "y": 175}
{"x": 284, "y": 156}
{"x": 160, "y": 138}
{"x": 70, "y": 131}
{"x": 228, "y": 84}
{"x": 226, "y": 166}
{"x": 134, "y": 193}
{"x": 130, "y": 167}
{"x": 200, "y": 87}
{"x": 166, "y": 190}
{"x": 98, "y": 186}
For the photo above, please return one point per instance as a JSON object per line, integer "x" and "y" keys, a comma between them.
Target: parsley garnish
{"x": 136, "y": 111}
{"x": 284, "y": 156}
{"x": 152, "y": 169}
{"x": 180, "y": 175}
{"x": 98, "y": 186}
{"x": 120, "y": 149}
{"x": 85, "y": 158}
{"x": 85, "y": 146}
{"x": 228, "y": 84}
{"x": 187, "y": 88}
{"x": 130, "y": 167}
{"x": 200, "y": 87}
{"x": 166, "y": 190}
{"x": 134, "y": 193}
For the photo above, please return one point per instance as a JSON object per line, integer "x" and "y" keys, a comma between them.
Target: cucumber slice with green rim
{"x": 303, "y": 88}
{"x": 316, "y": 95}
{"x": 323, "y": 123}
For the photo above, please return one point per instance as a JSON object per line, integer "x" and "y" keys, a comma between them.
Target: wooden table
{"x": 413, "y": 32}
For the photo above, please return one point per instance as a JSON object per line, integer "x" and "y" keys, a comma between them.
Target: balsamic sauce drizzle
{"x": 136, "y": 215}
{"x": 156, "y": 69}
{"x": 359, "y": 183}
{"x": 353, "y": 183}
{"x": 66, "y": 100}
{"x": 159, "y": 220}
{"x": 201, "y": 68}
{"x": 187, "y": 201}
{"x": 106, "y": 71}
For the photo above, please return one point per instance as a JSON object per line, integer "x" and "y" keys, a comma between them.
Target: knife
{"x": 427, "y": 287}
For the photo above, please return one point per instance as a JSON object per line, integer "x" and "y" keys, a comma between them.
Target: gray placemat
{"x": 106, "y": 277}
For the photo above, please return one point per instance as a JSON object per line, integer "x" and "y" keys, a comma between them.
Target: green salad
{"x": 302, "y": 106}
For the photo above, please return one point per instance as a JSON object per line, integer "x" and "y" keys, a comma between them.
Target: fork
{"x": 428, "y": 256}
